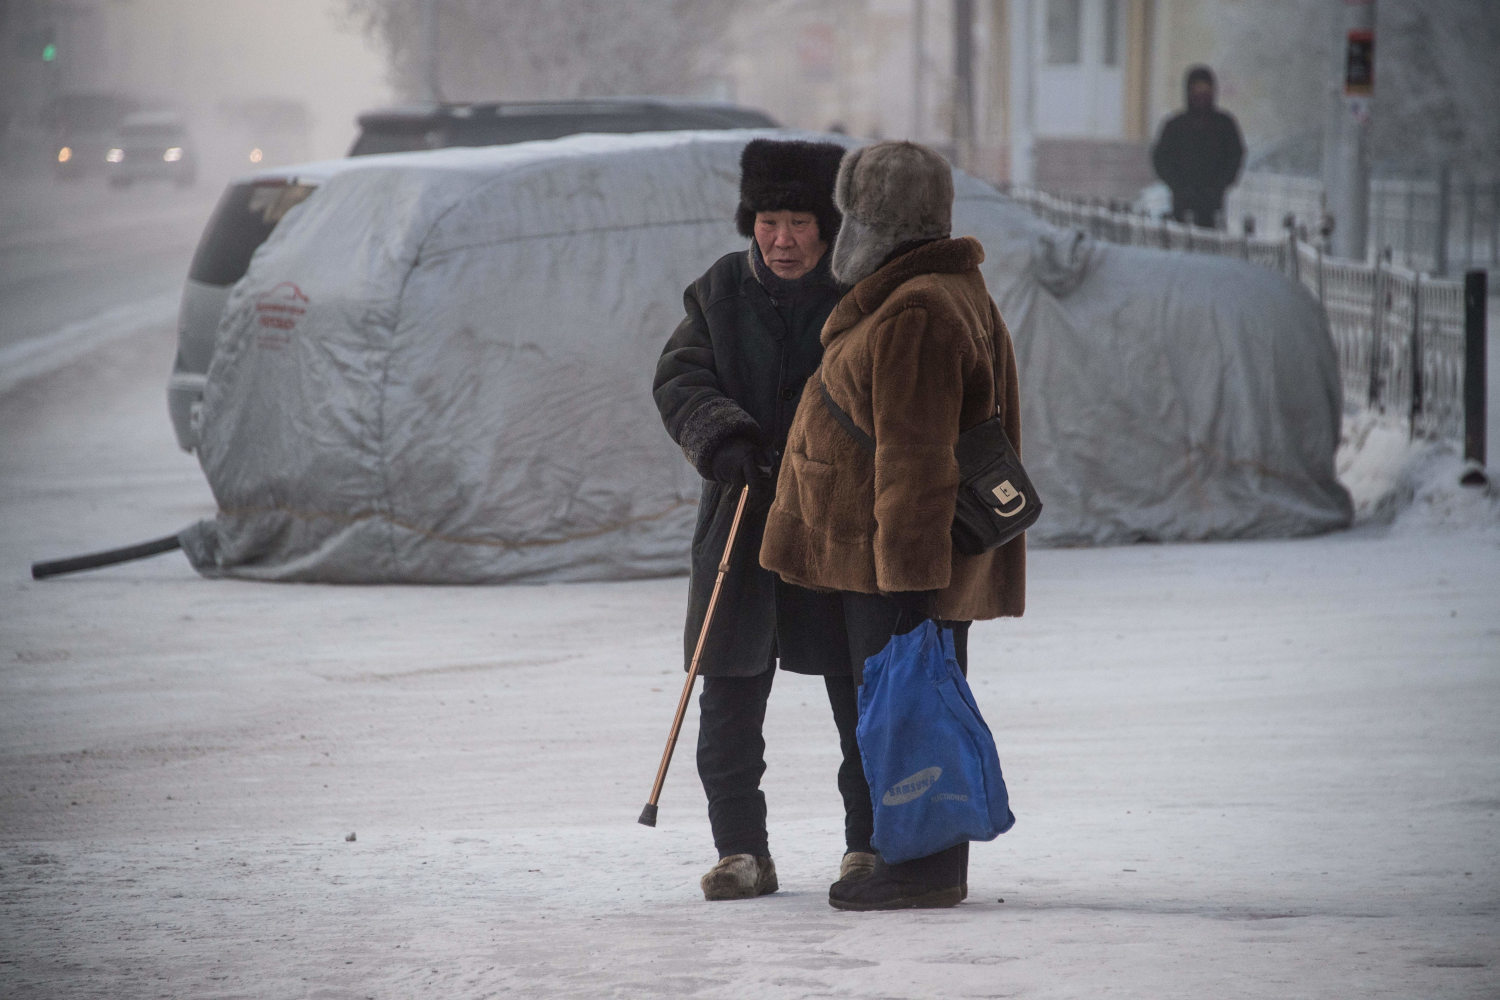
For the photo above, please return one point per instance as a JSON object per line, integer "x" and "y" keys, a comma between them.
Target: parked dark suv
{"x": 437, "y": 126}
{"x": 252, "y": 206}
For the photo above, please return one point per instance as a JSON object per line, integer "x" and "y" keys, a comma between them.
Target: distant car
{"x": 152, "y": 145}
{"x": 83, "y": 128}
{"x": 260, "y": 132}
{"x": 436, "y": 126}
{"x": 251, "y": 207}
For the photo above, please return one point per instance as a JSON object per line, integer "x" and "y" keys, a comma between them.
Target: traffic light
{"x": 48, "y": 39}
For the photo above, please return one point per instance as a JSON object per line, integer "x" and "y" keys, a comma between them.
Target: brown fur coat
{"x": 913, "y": 353}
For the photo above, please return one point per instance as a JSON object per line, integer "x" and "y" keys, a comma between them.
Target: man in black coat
{"x": 1199, "y": 153}
{"x": 727, "y": 385}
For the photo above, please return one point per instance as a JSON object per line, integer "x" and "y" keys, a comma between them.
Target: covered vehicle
{"x": 251, "y": 206}
{"x": 438, "y": 371}
{"x": 494, "y": 123}
{"x": 247, "y": 211}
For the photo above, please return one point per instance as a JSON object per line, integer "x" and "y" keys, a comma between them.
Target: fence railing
{"x": 1399, "y": 334}
{"x": 1442, "y": 225}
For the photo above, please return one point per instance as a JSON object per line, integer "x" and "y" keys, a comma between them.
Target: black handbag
{"x": 996, "y": 500}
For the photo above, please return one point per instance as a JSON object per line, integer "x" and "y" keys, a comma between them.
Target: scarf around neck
{"x": 786, "y": 289}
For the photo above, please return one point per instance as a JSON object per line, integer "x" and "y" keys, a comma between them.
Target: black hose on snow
{"x": 56, "y": 567}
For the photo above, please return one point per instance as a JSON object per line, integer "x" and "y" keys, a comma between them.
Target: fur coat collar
{"x": 949, "y": 256}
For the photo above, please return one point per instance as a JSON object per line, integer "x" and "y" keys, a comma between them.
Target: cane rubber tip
{"x": 648, "y": 815}
{"x": 1473, "y": 475}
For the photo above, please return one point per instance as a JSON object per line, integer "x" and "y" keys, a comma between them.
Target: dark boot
{"x": 933, "y": 881}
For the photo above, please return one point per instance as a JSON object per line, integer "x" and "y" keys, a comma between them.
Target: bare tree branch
{"x": 522, "y": 49}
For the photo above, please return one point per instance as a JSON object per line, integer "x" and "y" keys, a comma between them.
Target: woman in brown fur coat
{"x": 914, "y": 352}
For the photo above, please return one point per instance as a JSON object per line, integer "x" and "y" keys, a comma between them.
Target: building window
{"x": 1064, "y": 32}
{"x": 1112, "y": 32}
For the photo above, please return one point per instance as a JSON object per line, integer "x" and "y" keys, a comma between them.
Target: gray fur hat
{"x": 890, "y": 193}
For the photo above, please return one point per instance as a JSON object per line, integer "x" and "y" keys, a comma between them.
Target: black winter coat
{"x": 736, "y": 365}
{"x": 1198, "y": 155}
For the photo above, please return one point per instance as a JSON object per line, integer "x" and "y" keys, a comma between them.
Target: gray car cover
{"x": 438, "y": 370}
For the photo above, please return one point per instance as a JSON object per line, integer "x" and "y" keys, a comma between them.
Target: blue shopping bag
{"x": 931, "y": 762}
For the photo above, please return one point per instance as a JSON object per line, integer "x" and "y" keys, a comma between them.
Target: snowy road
{"x": 1240, "y": 770}
{"x": 71, "y": 252}
{"x": 1263, "y": 770}
{"x": 82, "y": 264}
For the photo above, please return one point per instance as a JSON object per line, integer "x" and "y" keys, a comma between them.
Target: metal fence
{"x": 1444, "y": 224}
{"x": 1399, "y": 334}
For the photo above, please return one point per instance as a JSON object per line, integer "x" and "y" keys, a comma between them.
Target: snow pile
{"x": 1441, "y": 503}
{"x": 1378, "y": 463}
{"x": 1411, "y": 485}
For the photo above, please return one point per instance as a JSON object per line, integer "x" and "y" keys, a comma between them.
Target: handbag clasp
{"x": 1006, "y": 493}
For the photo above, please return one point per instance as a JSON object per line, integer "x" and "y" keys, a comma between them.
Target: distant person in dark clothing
{"x": 1199, "y": 153}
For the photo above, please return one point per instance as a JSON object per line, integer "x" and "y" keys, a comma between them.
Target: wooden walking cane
{"x": 648, "y": 814}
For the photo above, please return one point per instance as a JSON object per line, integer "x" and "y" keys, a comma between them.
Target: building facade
{"x": 1065, "y": 95}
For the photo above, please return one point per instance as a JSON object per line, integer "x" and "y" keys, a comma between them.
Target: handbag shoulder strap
{"x": 864, "y": 440}
{"x": 845, "y": 421}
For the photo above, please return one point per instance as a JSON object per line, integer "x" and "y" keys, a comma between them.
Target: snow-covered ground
{"x": 1240, "y": 770}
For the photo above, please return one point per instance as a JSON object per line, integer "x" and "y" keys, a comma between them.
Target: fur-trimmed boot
{"x": 740, "y": 876}
{"x": 856, "y": 865}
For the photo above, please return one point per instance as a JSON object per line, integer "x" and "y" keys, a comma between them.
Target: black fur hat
{"x": 783, "y": 174}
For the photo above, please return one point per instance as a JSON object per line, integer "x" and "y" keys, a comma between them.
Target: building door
{"x": 1081, "y": 73}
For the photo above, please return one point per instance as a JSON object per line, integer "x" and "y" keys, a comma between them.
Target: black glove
{"x": 915, "y": 607}
{"x": 741, "y": 461}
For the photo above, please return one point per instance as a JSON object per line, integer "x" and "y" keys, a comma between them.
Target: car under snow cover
{"x": 252, "y": 206}
{"x": 437, "y": 370}
{"x": 246, "y": 213}
{"x": 444, "y": 125}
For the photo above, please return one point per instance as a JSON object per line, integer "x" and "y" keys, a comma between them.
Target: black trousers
{"x": 732, "y": 747}
{"x": 731, "y": 761}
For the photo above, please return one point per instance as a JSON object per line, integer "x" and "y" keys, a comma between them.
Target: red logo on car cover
{"x": 280, "y": 309}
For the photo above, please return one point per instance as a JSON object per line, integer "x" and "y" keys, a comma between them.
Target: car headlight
{"x": 173, "y": 154}
{"x": 65, "y": 154}
{"x": 116, "y": 155}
